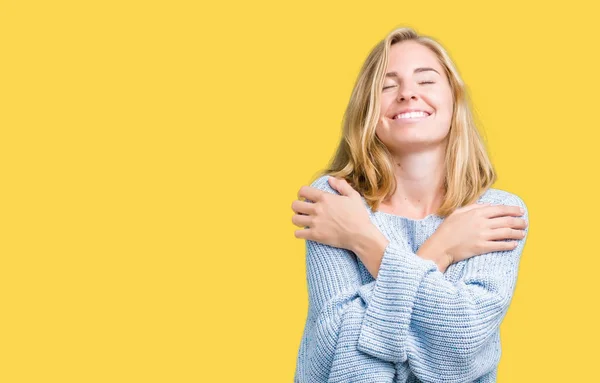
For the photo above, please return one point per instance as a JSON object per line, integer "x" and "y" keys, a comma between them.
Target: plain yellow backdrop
{"x": 151, "y": 150}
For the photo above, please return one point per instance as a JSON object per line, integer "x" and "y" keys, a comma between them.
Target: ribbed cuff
{"x": 385, "y": 326}
{"x": 366, "y": 292}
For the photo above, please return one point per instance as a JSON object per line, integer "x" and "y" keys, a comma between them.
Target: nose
{"x": 406, "y": 92}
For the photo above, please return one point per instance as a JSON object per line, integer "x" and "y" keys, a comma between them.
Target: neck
{"x": 420, "y": 183}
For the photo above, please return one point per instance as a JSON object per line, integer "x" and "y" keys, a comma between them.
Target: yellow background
{"x": 151, "y": 150}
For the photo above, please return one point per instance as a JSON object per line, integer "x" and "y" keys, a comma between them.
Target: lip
{"x": 406, "y": 110}
{"x": 410, "y": 120}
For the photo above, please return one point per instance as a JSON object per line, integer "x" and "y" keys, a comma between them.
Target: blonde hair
{"x": 365, "y": 162}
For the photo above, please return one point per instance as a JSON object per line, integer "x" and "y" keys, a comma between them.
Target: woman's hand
{"x": 335, "y": 220}
{"x": 473, "y": 230}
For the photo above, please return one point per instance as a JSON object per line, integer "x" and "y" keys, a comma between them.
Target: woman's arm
{"x": 344, "y": 221}
{"x": 336, "y": 307}
{"x": 411, "y": 312}
{"x": 441, "y": 328}
{"x": 370, "y": 245}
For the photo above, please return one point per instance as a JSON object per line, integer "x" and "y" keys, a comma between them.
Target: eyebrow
{"x": 418, "y": 70}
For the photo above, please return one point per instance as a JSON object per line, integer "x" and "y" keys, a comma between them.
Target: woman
{"x": 412, "y": 257}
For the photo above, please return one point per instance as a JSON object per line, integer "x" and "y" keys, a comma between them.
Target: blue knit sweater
{"x": 413, "y": 323}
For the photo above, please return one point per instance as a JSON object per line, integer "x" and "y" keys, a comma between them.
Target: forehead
{"x": 407, "y": 55}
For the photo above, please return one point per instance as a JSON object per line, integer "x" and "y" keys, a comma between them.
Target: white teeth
{"x": 410, "y": 115}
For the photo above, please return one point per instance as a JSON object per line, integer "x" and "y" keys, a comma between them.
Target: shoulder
{"x": 502, "y": 197}
{"x": 322, "y": 183}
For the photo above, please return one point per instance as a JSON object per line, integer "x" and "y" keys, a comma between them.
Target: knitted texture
{"x": 413, "y": 323}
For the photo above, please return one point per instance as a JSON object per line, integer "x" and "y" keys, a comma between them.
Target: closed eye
{"x": 422, "y": 82}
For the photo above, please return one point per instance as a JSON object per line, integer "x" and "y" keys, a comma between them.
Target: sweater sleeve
{"x": 336, "y": 305}
{"x": 409, "y": 316}
{"x": 336, "y": 308}
{"x": 446, "y": 331}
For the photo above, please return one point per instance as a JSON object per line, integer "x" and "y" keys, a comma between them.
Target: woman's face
{"x": 416, "y": 100}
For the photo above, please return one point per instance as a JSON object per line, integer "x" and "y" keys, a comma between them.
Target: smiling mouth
{"x": 410, "y": 117}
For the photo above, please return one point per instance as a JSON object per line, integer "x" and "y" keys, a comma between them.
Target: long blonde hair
{"x": 365, "y": 162}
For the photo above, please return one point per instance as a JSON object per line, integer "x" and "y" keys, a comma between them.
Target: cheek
{"x": 443, "y": 103}
{"x": 448, "y": 100}
{"x": 384, "y": 104}
{"x": 382, "y": 128}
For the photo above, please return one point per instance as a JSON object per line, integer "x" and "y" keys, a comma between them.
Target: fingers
{"x": 507, "y": 221}
{"x": 310, "y": 193}
{"x": 302, "y": 220}
{"x": 472, "y": 206}
{"x": 500, "y": 245}
{"x": 505, "y": 233}
{"x": 342, "y": 186}
{"x": 502, "y": 210}
{"x": 302, "y": 207}
{"x": 302, "y": 234}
